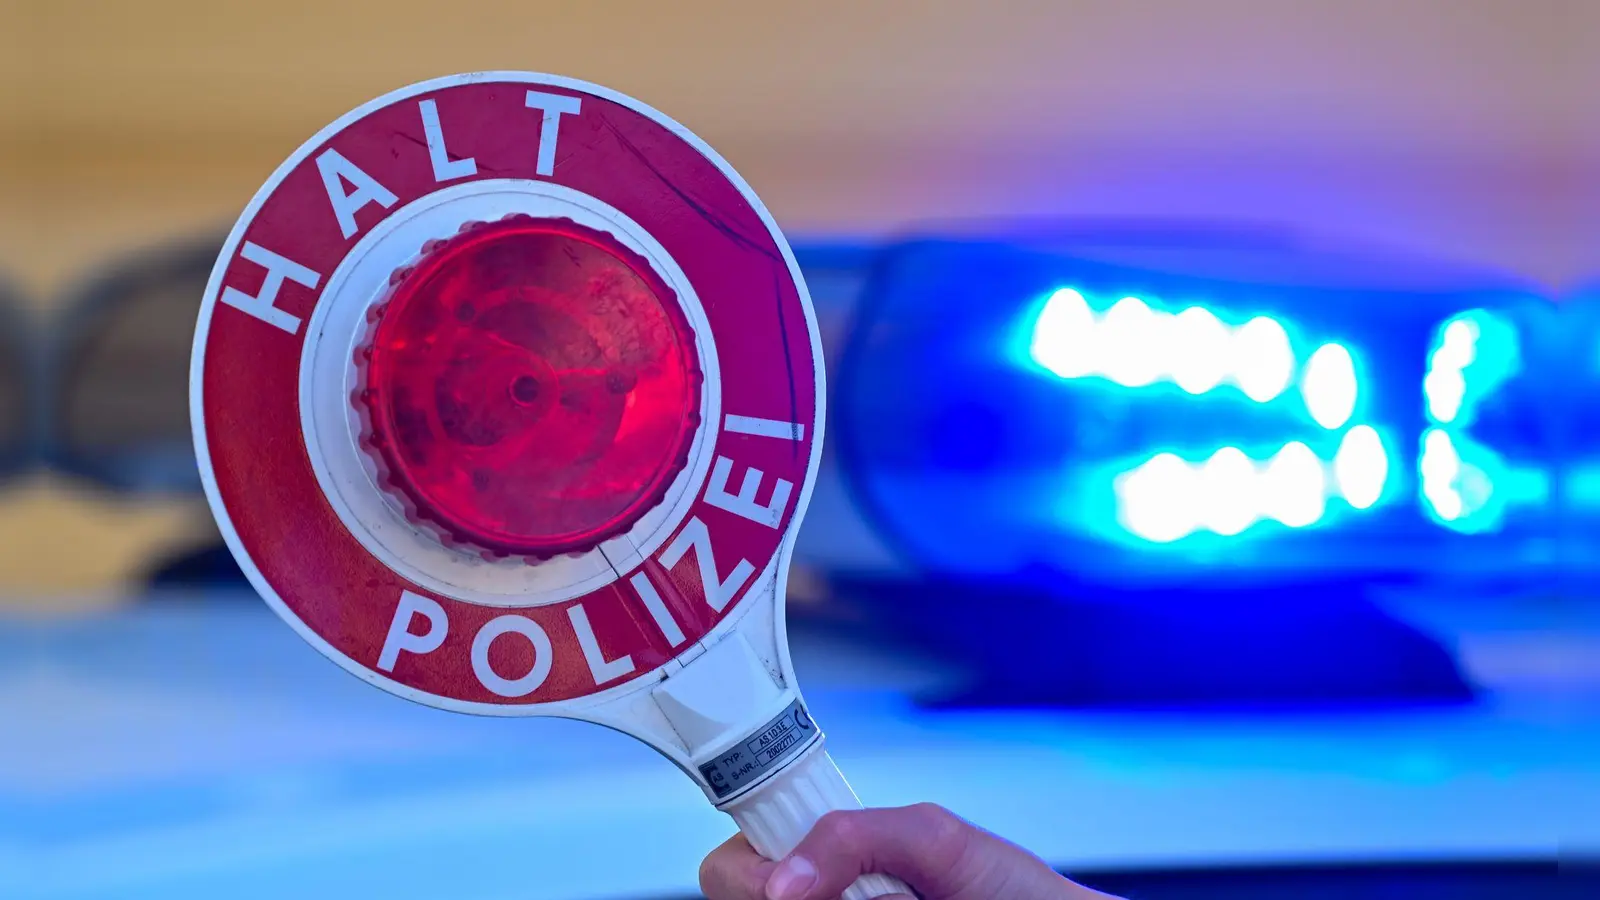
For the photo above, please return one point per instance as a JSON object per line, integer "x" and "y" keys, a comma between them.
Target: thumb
{"x": 938, "y": 854}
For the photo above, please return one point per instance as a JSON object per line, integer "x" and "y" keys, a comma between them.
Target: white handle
{"x": 776, "y": 815}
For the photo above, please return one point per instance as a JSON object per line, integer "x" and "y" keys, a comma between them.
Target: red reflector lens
{"x": 531, "y": 387}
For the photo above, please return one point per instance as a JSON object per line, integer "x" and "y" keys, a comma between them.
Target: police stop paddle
{"x": 508, "y": 397}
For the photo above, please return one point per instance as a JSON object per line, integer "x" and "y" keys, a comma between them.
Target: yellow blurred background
{"x": 1451, "y": 126}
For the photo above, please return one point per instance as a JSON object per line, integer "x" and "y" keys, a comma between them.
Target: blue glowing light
{"x": 1133, "y": 345}
{"x": 1200, "y": 359}
{"x": 1361, "y": 467}
{"x": 1442, "y": 481}
{"x": 1263, "y": 359}
{"x": 1063, "y": 336}
{"x": 1329, "y": 386}
{"x": 1465, "y": 485}
{"x": 1157, "y": 501}
{"x": 1445, "y": 385}
{"x": 1155, "y": 410}
{"x": 1294, "y": 487}
{"x": 1168, "y": 498}
{"x": 1475, "y": 352}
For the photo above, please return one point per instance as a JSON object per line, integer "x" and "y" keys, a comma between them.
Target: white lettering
{"x": 335, "y": 167}
{"x": 444, "y": 168}
{"x": 278, "y": 269}
{"x": 554, "y": 105}
{"x": 601, "y": 668}
{"x": 744, "y": 503}
{"x": 401, "y": 637}
{"x": 772, "y": 428}
{"x": 658, "y": 609}
{"x": 511, "y": 687}
{"x": 695, "y": 536}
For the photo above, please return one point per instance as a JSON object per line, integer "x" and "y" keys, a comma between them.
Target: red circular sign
{"x": 529, "y": 388}
{"x": 258, "y": 471}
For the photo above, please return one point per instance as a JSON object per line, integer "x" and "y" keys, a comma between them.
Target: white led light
{"x": 1445, "y": 389}
{"x": 1134, "y": 345}
{"x": 1131, "y": 343}
{"x": 1158, "y": 499}
{"x": 1229, "y": 492}
{"x": 1460, "y": 345}
{"x": 1329, "y": 386}
{"x": 1293, "y": 486}
{"x": 1361, "y": 467}
{"x": 1199, "y": 350}
{"x": 1064, "y": 336}
{"x": 1441, "y": 467}
{"x": 1263, "y": 361}
{"x": 1445, "y": 384}
{"x": 1166, "y": 498}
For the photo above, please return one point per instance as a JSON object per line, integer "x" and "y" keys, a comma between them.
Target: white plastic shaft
{"x": 776, "y": 815}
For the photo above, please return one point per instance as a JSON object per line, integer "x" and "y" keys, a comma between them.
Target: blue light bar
{"x": 1132, "y": 345}
{"x": 1182, "y": 406}
{"x": 1166, "y": 498}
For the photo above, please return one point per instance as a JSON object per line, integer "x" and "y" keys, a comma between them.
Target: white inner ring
{"x": 330, "y": 424}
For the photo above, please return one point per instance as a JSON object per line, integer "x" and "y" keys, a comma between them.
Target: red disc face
{"x": 530, "y": 388}
{"x": 633, "y": 387}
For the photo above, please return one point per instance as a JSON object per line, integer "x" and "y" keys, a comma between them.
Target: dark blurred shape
{"x": 119, "y": 398}
{"x": 1309, "y": 647}
{"x": 211, "y": 566}
{"x": 20, "y": 371}
{"x": 1486, "y": 880}
{"x": 118, "y": 413}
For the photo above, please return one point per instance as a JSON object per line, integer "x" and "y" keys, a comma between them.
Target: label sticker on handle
{"x": 749, "y": 760}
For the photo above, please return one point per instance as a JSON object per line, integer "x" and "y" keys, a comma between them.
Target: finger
{"x": 734, "y": 871}
{"x": 937, "y": 853}
{"x": 919, "y": 844}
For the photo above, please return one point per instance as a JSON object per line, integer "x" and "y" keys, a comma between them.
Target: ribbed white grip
{"x": 776, "y": 815}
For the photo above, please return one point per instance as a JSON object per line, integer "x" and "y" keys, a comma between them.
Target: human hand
{"x": 941, "y": 857}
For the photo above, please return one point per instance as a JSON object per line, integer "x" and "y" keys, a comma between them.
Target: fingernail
{"x": 793, "y": 878}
